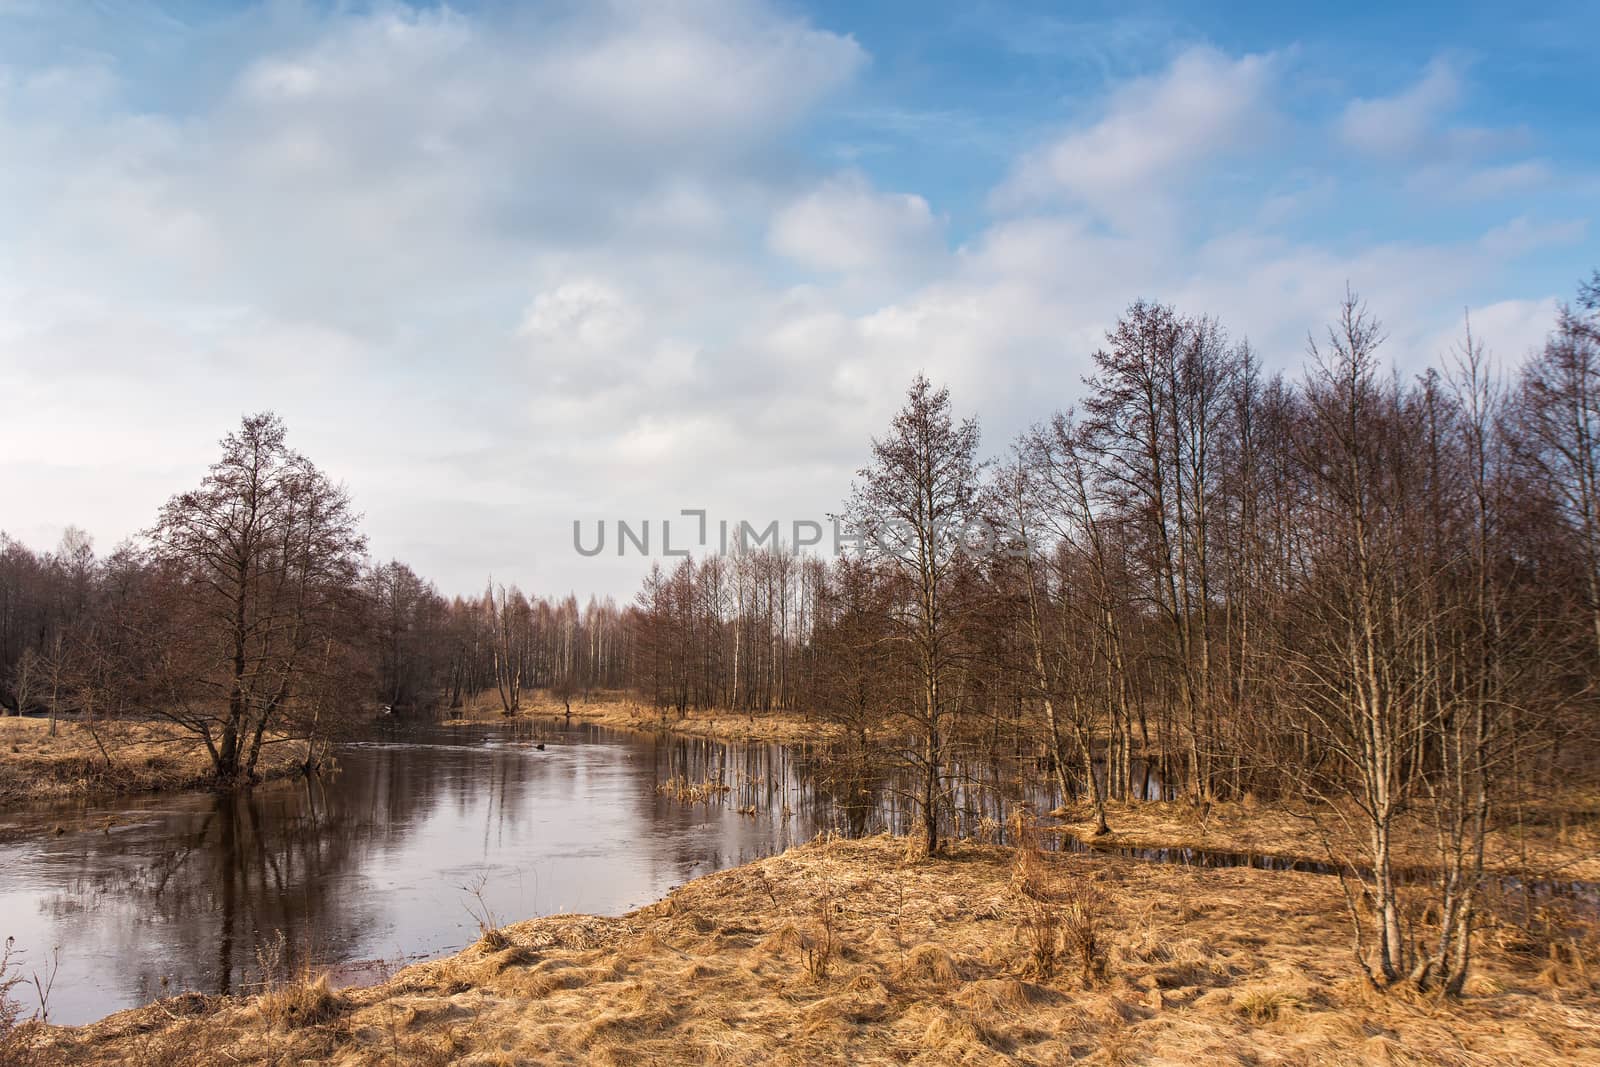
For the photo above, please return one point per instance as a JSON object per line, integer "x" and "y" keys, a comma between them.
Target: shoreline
{"x": 736, "y": 727}
{"x": 1270, "y": 830}
{"x": 147, "y": 757}
{"x": 1562, "y": 843}
{"x": 152, "y": 757}
{"x": 1570, "y": 854}
{"x": 856, "y": 950}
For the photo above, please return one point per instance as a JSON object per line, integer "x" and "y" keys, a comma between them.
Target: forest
{"x": 1368, "y": 597}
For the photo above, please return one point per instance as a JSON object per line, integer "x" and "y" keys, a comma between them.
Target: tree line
{"x": 248, "y": 614}
{"x": 1359, "y": 592}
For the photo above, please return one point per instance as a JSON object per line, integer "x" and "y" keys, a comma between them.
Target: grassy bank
{"x": 111, "y": 758}
{"x": 1559, "y": 842}
{"x": 785, "y": 727}
{"x": 849, "y": 951}
{"x": 1556, "y": 836}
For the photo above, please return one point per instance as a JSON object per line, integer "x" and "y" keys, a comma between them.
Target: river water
{"x": 384, "y": 862}
{"x": 397, "y": 855}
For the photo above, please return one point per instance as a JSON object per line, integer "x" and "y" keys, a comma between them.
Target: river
{"x": 399, "y": 853}
{"x": 384, "y": 862}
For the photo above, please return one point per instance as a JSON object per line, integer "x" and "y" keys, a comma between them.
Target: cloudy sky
{"x": 502, "y": 266}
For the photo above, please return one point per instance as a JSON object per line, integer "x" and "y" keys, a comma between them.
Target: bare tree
{"x": 25, "y": 679}
{"x": 912, "y": 507}
{"x": 508, "y": 612}
{"x": 1156, "y": 422}
{"x": 264, "y": 557}
{"x": 856, "y": 682}
{"x": 1355, "y": 647}
{"x": 1022, "y": 492}
{"x": 1557, "y": 419}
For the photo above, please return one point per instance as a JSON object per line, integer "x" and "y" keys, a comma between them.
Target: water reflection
{"x": 378, "y": 861}
{"x": 373, "y": 863}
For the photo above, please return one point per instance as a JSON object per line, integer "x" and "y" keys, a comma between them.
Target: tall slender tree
{"x": 913, "y": 507}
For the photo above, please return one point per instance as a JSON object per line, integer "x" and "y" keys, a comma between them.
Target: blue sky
{"x": 502, "y": 266}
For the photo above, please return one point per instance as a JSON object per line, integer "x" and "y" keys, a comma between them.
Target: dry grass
{"x": 1558, "y": 835}
{"x": 1561, "y": 842}
{"x": 299, "y": 1003}
{"x": 18, "y": 1032}
{"x": 927, "y": 961}
{"x": 684, "y": 791}
{"x": 624, "y": 713}
{"x": 144, "y": 757}
{"x": 1058, "y": 916}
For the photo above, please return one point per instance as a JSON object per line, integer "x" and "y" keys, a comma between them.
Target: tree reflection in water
{"x": 370, "y": 863}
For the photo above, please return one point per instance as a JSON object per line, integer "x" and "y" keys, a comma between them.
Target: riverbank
{"x": 852, "y": 951}
{"x": 110, "y": 759}
{"x": 1560, "y": 841}
{"x": 1556, "y": 837}
{"x": 777, "y": 727}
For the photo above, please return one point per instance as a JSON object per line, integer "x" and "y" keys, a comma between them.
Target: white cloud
{"x": 1402, "y": 124}
{"x": 1415, "y": 126}
{"x": 1509, "y": 330}
{"x": 457, "y": 254}
{"x": 1465, "y": 182}
{"x": 1205, "y": 104}
{"x": 583, "y": 314}
{"x": 1522, "y": 235}
{"x": 845, "y": 225}
{"x": 428, "y": 129}
{"x": 501, "y": 271}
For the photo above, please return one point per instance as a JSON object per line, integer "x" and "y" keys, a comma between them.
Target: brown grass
{"x": 19, "y": 1033}
{"x": 1561, "y": 840}
{"x": 145, "y": 756}
{"x": 299, "y": 1003}
{"x": 624, "y": 713}
{"x": 929, "y": 961}
{"x": 1558, "y": 835}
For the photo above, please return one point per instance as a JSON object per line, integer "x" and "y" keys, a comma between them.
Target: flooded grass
{"x": 1562, "y": 850}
